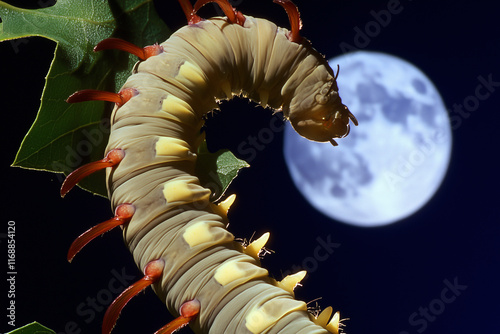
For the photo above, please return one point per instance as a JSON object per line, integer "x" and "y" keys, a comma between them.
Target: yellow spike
{"x": 333, "y": 325}
{"x": 323, "y": 317}
{"x": 290, "y": 282}
{"x": 254, "y": 248}
{"x": 226, "y": 204}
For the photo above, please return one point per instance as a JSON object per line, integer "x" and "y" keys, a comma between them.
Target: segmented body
{"x": 159, "y": 130}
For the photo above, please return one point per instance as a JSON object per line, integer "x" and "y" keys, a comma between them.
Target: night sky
{"x": 434, "y": 272}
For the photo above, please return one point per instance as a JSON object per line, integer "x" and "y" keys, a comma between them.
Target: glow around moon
{"x": 389, "y": 166}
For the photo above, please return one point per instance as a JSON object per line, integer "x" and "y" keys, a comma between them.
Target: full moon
{"x": 390, "y": 165}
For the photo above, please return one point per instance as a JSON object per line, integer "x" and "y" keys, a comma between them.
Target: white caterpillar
{"x": 169, "y": 224}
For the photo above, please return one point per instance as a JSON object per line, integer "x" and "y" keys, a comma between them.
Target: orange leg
{"x": 188, "y": 311}
{"x": 123, "y": 214}
{"x": 294, "y": 17}
{"x": 97, "y": 95}
{"x": 187, "y": 8}
{"x": 119, "y": 44}
{"x": 152, "y": 274}
{"x": 112, "y": 159}
{"x": 232, "y": 14}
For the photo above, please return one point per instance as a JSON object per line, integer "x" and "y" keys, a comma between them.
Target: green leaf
{"x": 66, "y": 136}
{"x": 33, "y": 328}
{"x": 217, "y": 170}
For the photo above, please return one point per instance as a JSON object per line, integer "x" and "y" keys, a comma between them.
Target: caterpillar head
{"x": 319, "y": 114}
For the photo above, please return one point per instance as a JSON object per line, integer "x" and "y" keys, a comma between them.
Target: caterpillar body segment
{"x": 156, "y": 125}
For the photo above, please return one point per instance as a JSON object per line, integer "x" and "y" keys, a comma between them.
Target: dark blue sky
{"x": 435, "y": 272}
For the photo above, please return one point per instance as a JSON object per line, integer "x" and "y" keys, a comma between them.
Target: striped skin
{"x": 159, "y": 130}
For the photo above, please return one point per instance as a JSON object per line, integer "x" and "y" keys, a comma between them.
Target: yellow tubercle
{"x": 169, "y": 146}
{"x": 185, "y": 192}
{"x": 235, "y": 270}
{"x": 255, "y": 247}
{"x": 197, "y": 234}
{"x": 262, "y": 317}
{"x": 191, "y": 76}
{"x": 291, "y": 281}
{"x": 178, "y": 110}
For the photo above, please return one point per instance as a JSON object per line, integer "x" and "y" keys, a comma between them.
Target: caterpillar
{"x": 177, "y": 236}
